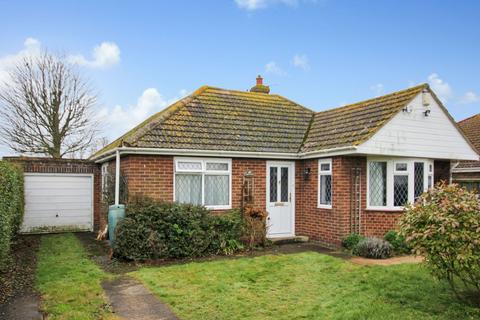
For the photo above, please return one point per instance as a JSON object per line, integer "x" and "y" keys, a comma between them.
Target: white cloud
{"x": 440, "y": 87}
{"x": 252, "y": 5}
{"x": 104, "y": 55}
{"x": 301, "y": 61}
{"x": 274, "y": 69}
{"x": 469, "y": 97}
{"x": 31, "y": 47}
{"x": 378, "y": 89}
{"x": 120, "y": 119}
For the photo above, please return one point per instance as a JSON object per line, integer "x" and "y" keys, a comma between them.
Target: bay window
{"x": 203, "y": 182}
{"x": 325, "y": 183}
{"x": 394, "y": 182}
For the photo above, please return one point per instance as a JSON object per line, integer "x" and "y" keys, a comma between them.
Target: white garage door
{"x": 58, "y": 202}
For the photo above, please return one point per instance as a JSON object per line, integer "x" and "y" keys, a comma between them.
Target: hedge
{"x": 11, "y": 206}
{"x": 160, "y": 230}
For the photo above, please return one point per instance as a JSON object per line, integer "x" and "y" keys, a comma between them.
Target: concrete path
{"x": 386, "y": 262}
{"x": 24, "y": 307}
{"x": 131, "y": 300}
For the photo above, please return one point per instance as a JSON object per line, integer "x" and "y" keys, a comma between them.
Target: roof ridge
{"x": 388, "y": 95}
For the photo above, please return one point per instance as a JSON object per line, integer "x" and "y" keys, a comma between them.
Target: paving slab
{"x": 131, "y": 300}
{"x": 22, "y": 307}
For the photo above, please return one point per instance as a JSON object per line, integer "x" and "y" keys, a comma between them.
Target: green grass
{"x": 302, "y": 286}
{"x": 68, "y": 281}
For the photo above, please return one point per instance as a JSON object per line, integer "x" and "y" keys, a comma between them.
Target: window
{"x": 325, "y": 183}
{"x": 471, "y": 186}
{"x": 394, "y": 182}
{"x": 400, "y": 184}
{"x": 203, "y": 182}
{"x": 104, "y": 170}
{"x": 378, "y": 183}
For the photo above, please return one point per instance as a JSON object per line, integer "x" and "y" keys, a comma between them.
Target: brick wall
{"x": 466, "y": 176}
{"x": 327, "y": 226}
{"x": 152, "y": 176}
{"x": 74, "y": 166}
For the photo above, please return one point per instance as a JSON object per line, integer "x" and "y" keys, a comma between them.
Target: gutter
{"x": 219, "y": 153}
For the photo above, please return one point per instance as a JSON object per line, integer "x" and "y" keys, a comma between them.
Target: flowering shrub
{"x": 373, "y": 248}
{"x": 444, "y": 227}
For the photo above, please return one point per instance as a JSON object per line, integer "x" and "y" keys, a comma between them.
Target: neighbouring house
{"x": 318, "y": 174}
{"x": 467, "y": 173}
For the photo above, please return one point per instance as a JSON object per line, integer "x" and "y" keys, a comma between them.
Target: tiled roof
{"x": 471, "y": 128}
{"x": 353, "y": 124}
{"x": 219, "y": 119}
{"x": 229, "y": 120}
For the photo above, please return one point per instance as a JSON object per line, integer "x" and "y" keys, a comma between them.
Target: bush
{"x": 444, "y": 227}
{"x": 373, "y": 248}
{"x": 11, "y": 206}
{"x": 153, "y": 230}
{"x": 350, "y": 241}
{"x": 397, "y": 241}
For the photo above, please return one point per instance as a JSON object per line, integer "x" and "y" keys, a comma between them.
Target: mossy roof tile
{"x": 471, "y": 129}
{"x": 219, "y": 119}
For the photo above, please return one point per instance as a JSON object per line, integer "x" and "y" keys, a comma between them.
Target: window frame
{"x": 324, "y": 173}
{"x": 204, "y": 172}
{"x": 391, "y": 172}
{"x": 104, "y": 175}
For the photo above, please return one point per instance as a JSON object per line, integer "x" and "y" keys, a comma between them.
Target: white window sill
{"x": 324, "y": 206}
{"x": 218, "y": 207}
{"x": 392, "y": 209}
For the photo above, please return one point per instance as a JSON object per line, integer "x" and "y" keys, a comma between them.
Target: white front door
{"x": 280, "y": 199}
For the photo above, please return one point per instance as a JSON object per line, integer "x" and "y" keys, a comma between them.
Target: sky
{"x": 140, "y": 56}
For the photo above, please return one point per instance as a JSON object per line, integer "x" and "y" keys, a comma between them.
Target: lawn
{"x": 68, "y": 281}
{"x": 301, "y": 286}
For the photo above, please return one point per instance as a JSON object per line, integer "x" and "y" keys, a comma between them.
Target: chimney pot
{"x": 260, "y": 87}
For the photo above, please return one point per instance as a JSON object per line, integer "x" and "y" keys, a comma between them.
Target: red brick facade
{"x": 48, "y": 165}
{"x": 152, "y": 176}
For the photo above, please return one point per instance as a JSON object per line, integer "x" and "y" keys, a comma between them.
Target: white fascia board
{"x": 219, "y": 153}
{"x": 459, "y": 170}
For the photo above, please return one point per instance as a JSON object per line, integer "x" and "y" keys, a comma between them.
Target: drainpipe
{"x": 117, "y": 179}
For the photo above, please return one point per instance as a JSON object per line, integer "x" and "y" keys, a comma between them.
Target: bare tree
{"x": 45, "y": 108}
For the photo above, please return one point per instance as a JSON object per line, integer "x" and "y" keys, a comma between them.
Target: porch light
{"x": 306, "y": 173}
{"x": 427, "y": 112}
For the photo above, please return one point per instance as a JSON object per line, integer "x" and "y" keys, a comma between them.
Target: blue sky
{"x": 142, "y": 55}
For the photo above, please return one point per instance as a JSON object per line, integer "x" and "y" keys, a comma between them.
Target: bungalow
{"x": 319, "y": 174}
{"x": 467, "y": 173}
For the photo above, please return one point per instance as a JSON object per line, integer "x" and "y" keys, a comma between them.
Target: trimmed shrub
{"x": 158, "y": 230}
{"x": 11, "y": 206}
{"x": 350, "y": 241}
{"x": 397, "y": 241}
{"x": 444, "y": 227}
{"x": 373, "y": 248}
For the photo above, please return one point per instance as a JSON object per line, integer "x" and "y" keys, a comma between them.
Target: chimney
{"x": 260, "y": 87}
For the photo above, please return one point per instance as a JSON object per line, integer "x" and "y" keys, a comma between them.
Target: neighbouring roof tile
{"x": 471, "y": 128}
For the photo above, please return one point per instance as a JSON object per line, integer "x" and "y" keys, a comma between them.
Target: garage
{"x": 58, "y": 202}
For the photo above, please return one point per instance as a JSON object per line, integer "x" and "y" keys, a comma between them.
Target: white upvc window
{"x": 325, "y": 185}
{"x": 203, "y": 181}
{"x": 394, "y": 182}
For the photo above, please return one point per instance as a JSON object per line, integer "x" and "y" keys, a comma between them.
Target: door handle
{"x": 289, "y": 197}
